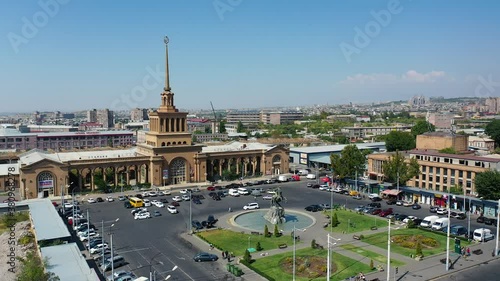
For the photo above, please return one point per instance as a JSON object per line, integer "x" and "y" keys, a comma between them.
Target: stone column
{"x": 127, "y": 171}
{"x": 116, "y": 176}
{"x": 92, "y": 187}
{"x": 80, "y": 180}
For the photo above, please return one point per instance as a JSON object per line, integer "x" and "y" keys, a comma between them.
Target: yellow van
{"x": 353, "y": 193}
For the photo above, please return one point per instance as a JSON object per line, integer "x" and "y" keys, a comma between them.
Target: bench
{"x": 282, "y": 246}
{"x": 356, "y": 237}
{"x": 374, "y": 228}
{"x": 255, "y": 233}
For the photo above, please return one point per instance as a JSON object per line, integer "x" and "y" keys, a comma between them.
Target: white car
{"x": 310, "y": 176}
{"x": 324, "y": 187}
{"x": 145, "y": 194}
{"x": 98, "y": 248}
{"x": 166, "y": 192}
{"x": 171, "y": 209}
{"x": 267, "y": 197}
{"x": 68, "y": 205}
{"x": 147, "y": 203}
{"x": 110, "y": 199}
{"x": 141, "y": 216}
{"x": 183, "y": 191}
{"x": 442, "y": 211}
{"x": 177, "y": 198}
{"x": 251, "y": 206}
{"x": 158, "y": 204}
{"x": 91, "y": 200}
{"x": 186, "y": 197}
{"x": 153, "y": 194}
{"x": 85, "y": 237}
{"x": 408, "y": 218}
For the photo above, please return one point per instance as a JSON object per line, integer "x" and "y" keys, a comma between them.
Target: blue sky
{"x": 244, "y": 53}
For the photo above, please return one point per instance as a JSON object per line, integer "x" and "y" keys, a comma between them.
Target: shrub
{"x": 411, "y": 224}
{"x": 335, "y": 220}
{"x": 301, "y": 268}
{"x": 24, "y": 240}
{"x": 258, "y": 247}
{"x": 418, "y": 250}
{"x": 371, "y": 264}
{"x": 266, "y": 231}
{"x": 313, "y": 244}
{"x": 361, "y": 236}
{"x": 323, "y": 268}
{"x": 276, "y": 231}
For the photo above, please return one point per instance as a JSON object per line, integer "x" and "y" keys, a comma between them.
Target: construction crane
{"x": 216, "y": 125}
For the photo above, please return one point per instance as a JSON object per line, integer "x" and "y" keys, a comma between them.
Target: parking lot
{"x": 155, "y": 244}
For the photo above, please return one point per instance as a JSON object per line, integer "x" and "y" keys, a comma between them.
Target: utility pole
{"x": 498, "y": 228}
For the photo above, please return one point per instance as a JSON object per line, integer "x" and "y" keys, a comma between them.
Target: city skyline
{"x": 73, "y": 56}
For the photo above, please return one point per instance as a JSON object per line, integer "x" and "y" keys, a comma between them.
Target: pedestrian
{"x": 468, "y": 251}
{"x": 223, "y": 255}
{"x": 211, "y": 247}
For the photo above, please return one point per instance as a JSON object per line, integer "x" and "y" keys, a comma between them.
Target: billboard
{"x": 165, "y": 174}
{"x": 303, "y": 155}
{"x": 46, "y": 184}
{"x": 303, "y": 161}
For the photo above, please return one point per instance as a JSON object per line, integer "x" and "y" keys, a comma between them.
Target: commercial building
{"x": 441, "y": 120}
{"x": 363, "y": 132}
{"x": 13, "y": 139}
{"x": 254, "y": 117}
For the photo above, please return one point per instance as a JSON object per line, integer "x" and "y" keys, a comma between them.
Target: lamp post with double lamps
{"x": 151, "y": 265}
{"x": 294, "y": 237}
{"x": 389, "y": 250}
{"x": 102, "y": 232}
{"x": 498, "y": 229}
{"x": 329, "y": 260}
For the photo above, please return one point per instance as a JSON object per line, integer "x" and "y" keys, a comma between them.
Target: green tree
{"x": 247, "y": 257}
{"x": 258, "y": 247}
{"x": 266, "y": 231}
{"x": 371, "y": 264}
{"x": 313, "y": 243}
{"x": 335, "y": 220}
{"x": 418, "y": 250}
{"x": 33, "y": 268}
{"x": 397, "y": 165}
{"x": 350, "y": 161}
{"x": 398, "y": 140}
{"x": 276, "y": 231}
{"x": 421, "y": 127}
{"x": 240, "y": 127}
{"x": 448, "y": 150}
{"x": 493, "y": 130}
{"x": 456, "y": 189}
{"x": 222, "y": 126}
{"x": 488, "y": 184}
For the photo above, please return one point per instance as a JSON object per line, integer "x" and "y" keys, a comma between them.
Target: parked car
{"x": 313, "y": 208}
{"x": 325, "y": 206}
{"x": 110, "y": 199}
{"x": 386, "y": 212}
{"x": 186, "y": 197}
{"x": 457, "y": 230}
{"x": 171, "y": 209}
{"x": 433, "y": 209}
{"x": 391, "y": 202}
{"x": 480, "y": 219}
{"x": 416, "y": 206}
{"x": 122, "y": 198}
{"x": 196, "y": 224}
{"x": 267, "y": 197}
{"x": 205, "y": 257}
{"x": 91, "y": 200}
{"x": 374, "y": 205}
{"x": 490, "y": 221}
{"x": 99, "y": 199}
{"x": 442, "y": 211}
{"x": 177, "y": 199}
{"x": 359, "y": 208}
{"x": 376, "y": 211}
{"x": 142, "y": 216}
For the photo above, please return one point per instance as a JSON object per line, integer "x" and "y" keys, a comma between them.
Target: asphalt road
{"x": 155, "y": 245}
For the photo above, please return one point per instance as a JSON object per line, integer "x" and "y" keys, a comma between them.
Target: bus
{"x": 136, "y": 202}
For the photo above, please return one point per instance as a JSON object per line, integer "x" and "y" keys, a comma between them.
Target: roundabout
{"x": 255, "y": 221}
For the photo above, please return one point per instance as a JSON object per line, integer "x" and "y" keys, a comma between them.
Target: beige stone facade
{"x": 442, "y": 140}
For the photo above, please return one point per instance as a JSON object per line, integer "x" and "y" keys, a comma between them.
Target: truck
{"x": 440, "y": 224}
{"x": 428, "y": 221}
{"x": 303, "y": 172}
{"x": 284, "y": 177}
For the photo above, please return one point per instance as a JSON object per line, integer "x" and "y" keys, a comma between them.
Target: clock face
{"x": 165, "y": 40}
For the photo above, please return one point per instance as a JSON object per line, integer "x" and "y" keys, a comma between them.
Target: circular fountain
{"x": 255, "y": 221}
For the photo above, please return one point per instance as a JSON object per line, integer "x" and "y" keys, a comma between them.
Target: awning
{"x": 391, "y": 192}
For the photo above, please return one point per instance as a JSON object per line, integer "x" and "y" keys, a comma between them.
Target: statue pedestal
{"x": 275, "y": 215}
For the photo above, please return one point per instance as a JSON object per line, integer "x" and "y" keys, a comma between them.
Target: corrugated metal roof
{"x": 36, "y": 155}
{"x": 46, "y": 221}
{"x": 334, "y": 148}
{"x": 67, "y": 262}
{"x": 237, "y": 146}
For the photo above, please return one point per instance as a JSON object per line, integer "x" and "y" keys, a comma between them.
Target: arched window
{"x": 45, "y": 182}
{"x": 163, "y": 144}
{"x": 178, "y": 171}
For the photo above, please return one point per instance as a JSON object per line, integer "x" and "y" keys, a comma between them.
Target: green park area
{"x": 377, "y": 258}
{"x": 310, "y": 264}
{"x": 238, "y": 242}
{"x": 349, "y": 221}
{"x": 407, "y": 241}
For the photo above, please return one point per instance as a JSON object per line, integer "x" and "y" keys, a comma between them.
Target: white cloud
{"x": 411, "y": 76}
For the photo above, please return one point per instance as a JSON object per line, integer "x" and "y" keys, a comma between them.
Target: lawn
{"x": 371, "y": 255}
{"x": 380, "y": 240}
{"x": 237, "y": 242}
{"x": 345, "y": 266}
{"x": 351, "y": 222}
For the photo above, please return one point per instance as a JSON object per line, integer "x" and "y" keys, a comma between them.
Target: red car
{"x": 376, "y": 211}
{"x": 385, "y": 213}
{"x": 55, "y": 204}
{"x": 175, "y": 204}
{"x": 211, "y": 188}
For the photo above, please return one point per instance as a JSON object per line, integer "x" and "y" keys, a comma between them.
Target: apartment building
{"x": 139, "y": 114}
{"x": 254, "y": 117}
{"x": 362, "y": 132}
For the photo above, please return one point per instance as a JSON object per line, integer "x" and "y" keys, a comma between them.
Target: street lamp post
{"x": 102, "y": 232}
{"x": 294, "y": 249}
{"x": 389, "y": 251}
{"x": 468, "y": 220}
{"x": 172, "y": 270}
{"x": 328, "y": 257}
{"x": 190, "y": 211}
{"x": 448, "y": 235}
{"x": 151, "y": 265}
